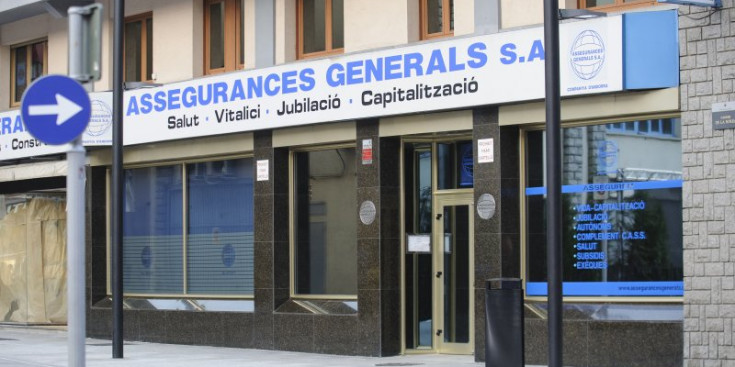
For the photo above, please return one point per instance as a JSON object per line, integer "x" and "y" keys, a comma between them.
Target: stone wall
{"x": 707, "y": 51}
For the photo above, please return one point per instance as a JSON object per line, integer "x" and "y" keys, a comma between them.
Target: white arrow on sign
{"x": 64, "y": 109}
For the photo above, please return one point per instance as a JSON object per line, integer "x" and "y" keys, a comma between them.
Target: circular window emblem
{"x": 228, "y": 256}
{"x": 587, "y": 54}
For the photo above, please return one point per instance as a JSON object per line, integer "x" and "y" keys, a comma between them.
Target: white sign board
{"x": 16, "y": 142}
{"x": 456, "y": 73}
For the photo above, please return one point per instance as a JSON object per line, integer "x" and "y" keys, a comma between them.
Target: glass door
{"x": 453, "y": 277}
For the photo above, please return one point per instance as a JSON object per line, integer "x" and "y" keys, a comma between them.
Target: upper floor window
{"x": 28, "y": 62}
{"x": 602, "y": 4}
{"x": 321, "y": 27}
{"x": 223, "y": 36}
{"x": 437, "y": 18}
{"x": 667, "y": 127}
{"x": 139, "y": 48}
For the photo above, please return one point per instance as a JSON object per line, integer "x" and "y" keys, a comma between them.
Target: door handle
{"x": 438, "y": 274}
{"x": 439, "y": 332}
{"x": 439, "y": 216}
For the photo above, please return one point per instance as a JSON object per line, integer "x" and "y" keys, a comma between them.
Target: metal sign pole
{"x": 75, "y": 178}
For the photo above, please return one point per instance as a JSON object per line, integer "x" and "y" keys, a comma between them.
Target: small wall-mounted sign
{"x": 704, "y": 3}
{"x": 418, "y": 243}
{"x": 486, "y": 206}
{"x": 723, "y": 115}
{"x": 485, "y": 151}
{"x": 262, "y": 167}
{"x": 367, "y": 212}
{"x": 367, "y": 151}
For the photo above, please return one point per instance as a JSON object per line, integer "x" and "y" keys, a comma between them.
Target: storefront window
{"x": 325, "y": 227}
{"x": 215, "y": 257}
{"x": 621, "y": 207}
{"x": 33, "y": 258}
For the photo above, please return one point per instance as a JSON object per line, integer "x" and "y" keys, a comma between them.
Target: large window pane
{"x": 314, "y": 25}
{"x": 21, "y": 75}
{"x": 220, "y": 227}
{"x": 621, "y": 213}
{"x": 133, "y": 55}
{"x": 217, "y": 35}
{"x": 434, "y": 16}
{"x": 37, "y": 59}
{"x": 149, "y": 49}
{"x": 338, "y": 27}
{"x": 325, "y": 248}
{"x": 152, "y": 231}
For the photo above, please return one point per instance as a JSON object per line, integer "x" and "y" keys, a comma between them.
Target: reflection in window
{"x": 28, "y": 64}
{"x": 215, "y": 257}
{"x": 325, "y": 228}
{"x": 621, "y": 207}
{"x": 321, "y": 27}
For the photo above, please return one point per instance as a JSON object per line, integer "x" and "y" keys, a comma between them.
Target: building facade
{"x": 343, "y": 176}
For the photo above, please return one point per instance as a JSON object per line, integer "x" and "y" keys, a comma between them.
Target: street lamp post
{"x": 553, "y": 181}
{"x": 554, "y": 259}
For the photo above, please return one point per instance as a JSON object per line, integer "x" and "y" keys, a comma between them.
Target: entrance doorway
{"x": 438, "y": 275}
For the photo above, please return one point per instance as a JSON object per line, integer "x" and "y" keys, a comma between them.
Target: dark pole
{"x": 553, "y": 181}
{"x": 117, "y": 182}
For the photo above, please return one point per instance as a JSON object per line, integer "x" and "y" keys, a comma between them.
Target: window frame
{"x": 185, "y": 293}
{"x": 233, "y": 25}
{"x": 292, "y": 225}
{"x": 524, "y": 241}
{"x": 143, "y": 18}
{"x": 446, "y": 21}
{"x": 328, "y": 50}
{"x": 618, "y": 5}
{"x": 29, "y": 60}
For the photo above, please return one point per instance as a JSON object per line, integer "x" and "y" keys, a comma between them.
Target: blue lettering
{"x": 392, "y": 67}
{"x": 289, "y": 82}
{"x": 189, "y": 97}
{"x": 270, "y": 89}
{"x": 373, "y": 71}
{"x": 205, "y": 101}
{"x": 436, "y": 63}
{"x": 146, "y": 105}
{"x": 307, "y": 79}
{"x": 412, "y": 61}
{"x": 453, "y": 65}
{"x": 6, "y": 125}
{"x": 132, "y": 109}
{"x": 338, "y": 79}
{"x": 354, "y": 72}
{"x": 537, "y": 51}
{"x": 238, "y": 91}
{"x": 508, "y": 50}
{"x": 478, "y": 58}
{"x": 18, "y": 128}
{"x": 219, "y": 92}
{"x": 160, "y": 99}
{"x": 255, "y": 87}
{"x": 173, "y": 99}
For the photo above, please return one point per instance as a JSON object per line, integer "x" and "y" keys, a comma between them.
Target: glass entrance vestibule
{"x": 438, "y": 304}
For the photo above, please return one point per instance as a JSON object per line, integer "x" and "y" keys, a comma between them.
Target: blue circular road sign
{"x": 55, "y": 109}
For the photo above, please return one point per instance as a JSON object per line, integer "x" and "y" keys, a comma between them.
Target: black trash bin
{"x": 504, "y": 323}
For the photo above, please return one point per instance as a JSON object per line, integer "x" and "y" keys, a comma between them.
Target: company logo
{"x": 100, "y": 120}
{"x": 607, "y": 157}
{"x": 228, "y": 256}
{"x": 587, "y": 55}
